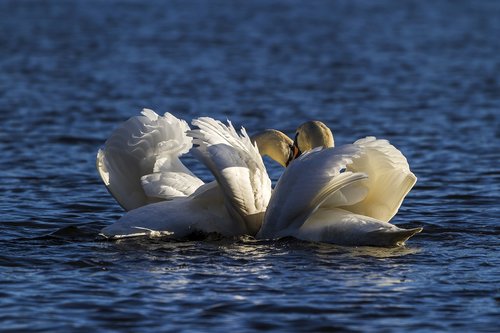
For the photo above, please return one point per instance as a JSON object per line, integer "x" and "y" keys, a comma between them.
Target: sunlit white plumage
{"x": 140, "y": 161}
{"x": 232, "y": 205}
{"x": 238, "y": 168}
{"x": 344, "y": 195}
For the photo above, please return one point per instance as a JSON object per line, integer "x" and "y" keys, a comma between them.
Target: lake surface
{"x": 423, "y": 74}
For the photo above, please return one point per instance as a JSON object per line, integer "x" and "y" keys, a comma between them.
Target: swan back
{"x": 305, "y": 185}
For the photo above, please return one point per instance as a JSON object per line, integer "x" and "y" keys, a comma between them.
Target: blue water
{"x": 423, "y": 74}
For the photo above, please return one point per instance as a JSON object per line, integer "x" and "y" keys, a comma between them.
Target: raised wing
{"x": 238, "y": 168}
{"x": 140, "y": 164}
{"x": 389, "y": 179}
{"x": 305, "y": 185}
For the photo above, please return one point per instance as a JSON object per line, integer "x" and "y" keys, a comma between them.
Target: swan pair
{"x": 344, "y": 195}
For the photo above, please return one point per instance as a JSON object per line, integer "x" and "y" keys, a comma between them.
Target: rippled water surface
{"x": 423, "y": 74}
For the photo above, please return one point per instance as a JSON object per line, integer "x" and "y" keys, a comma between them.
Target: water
{"x": 423, "y": 74}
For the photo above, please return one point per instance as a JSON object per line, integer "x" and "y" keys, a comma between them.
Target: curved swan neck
{"x": 313, "y": 134}
{"x": 274, "y": 144}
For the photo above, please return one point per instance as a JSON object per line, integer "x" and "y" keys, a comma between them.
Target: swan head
{"x": 274, "y": 144}
{"x": 310, "y": 135}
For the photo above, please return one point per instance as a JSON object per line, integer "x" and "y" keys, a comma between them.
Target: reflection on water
{"x": 423, "y": 75}
{"x": 378, "y": 252}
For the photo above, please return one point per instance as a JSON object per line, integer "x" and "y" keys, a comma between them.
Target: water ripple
{"x": 422, "y": 76}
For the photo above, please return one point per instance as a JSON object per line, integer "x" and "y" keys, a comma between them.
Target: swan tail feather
{"x": 392, "y": 237}
{"x": 339, "y": 226}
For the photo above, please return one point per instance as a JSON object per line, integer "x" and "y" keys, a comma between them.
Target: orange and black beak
{"x": 294, "y": 152}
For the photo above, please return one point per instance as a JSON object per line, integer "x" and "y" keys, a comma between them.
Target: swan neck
{"x": 274, "y": 144}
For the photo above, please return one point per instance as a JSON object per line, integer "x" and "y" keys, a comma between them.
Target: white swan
{"x": 141, "y": 168}
{"x": 343, "y": 195}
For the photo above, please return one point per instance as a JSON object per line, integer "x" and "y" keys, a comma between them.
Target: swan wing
{"x": 307, "y": 183}
{"x": 389, "y": 180}
{"x": 238, "y": 168}
{"x": 140, "y": 163}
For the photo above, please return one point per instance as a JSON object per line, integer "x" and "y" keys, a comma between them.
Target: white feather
{"x": 345, "y": 228}
{"x": 238, "y": 168}
{"x": 140, "y": 163}
{"x": 306, "y": 184}
{"x": 389, "y": 178}
{"x": 343, "y": 195}
{"x": 204, "y": 211}
{"x": 234, "y": 205}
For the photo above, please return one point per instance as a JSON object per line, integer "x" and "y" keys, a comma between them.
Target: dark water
{"x": 423, "y": 74}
